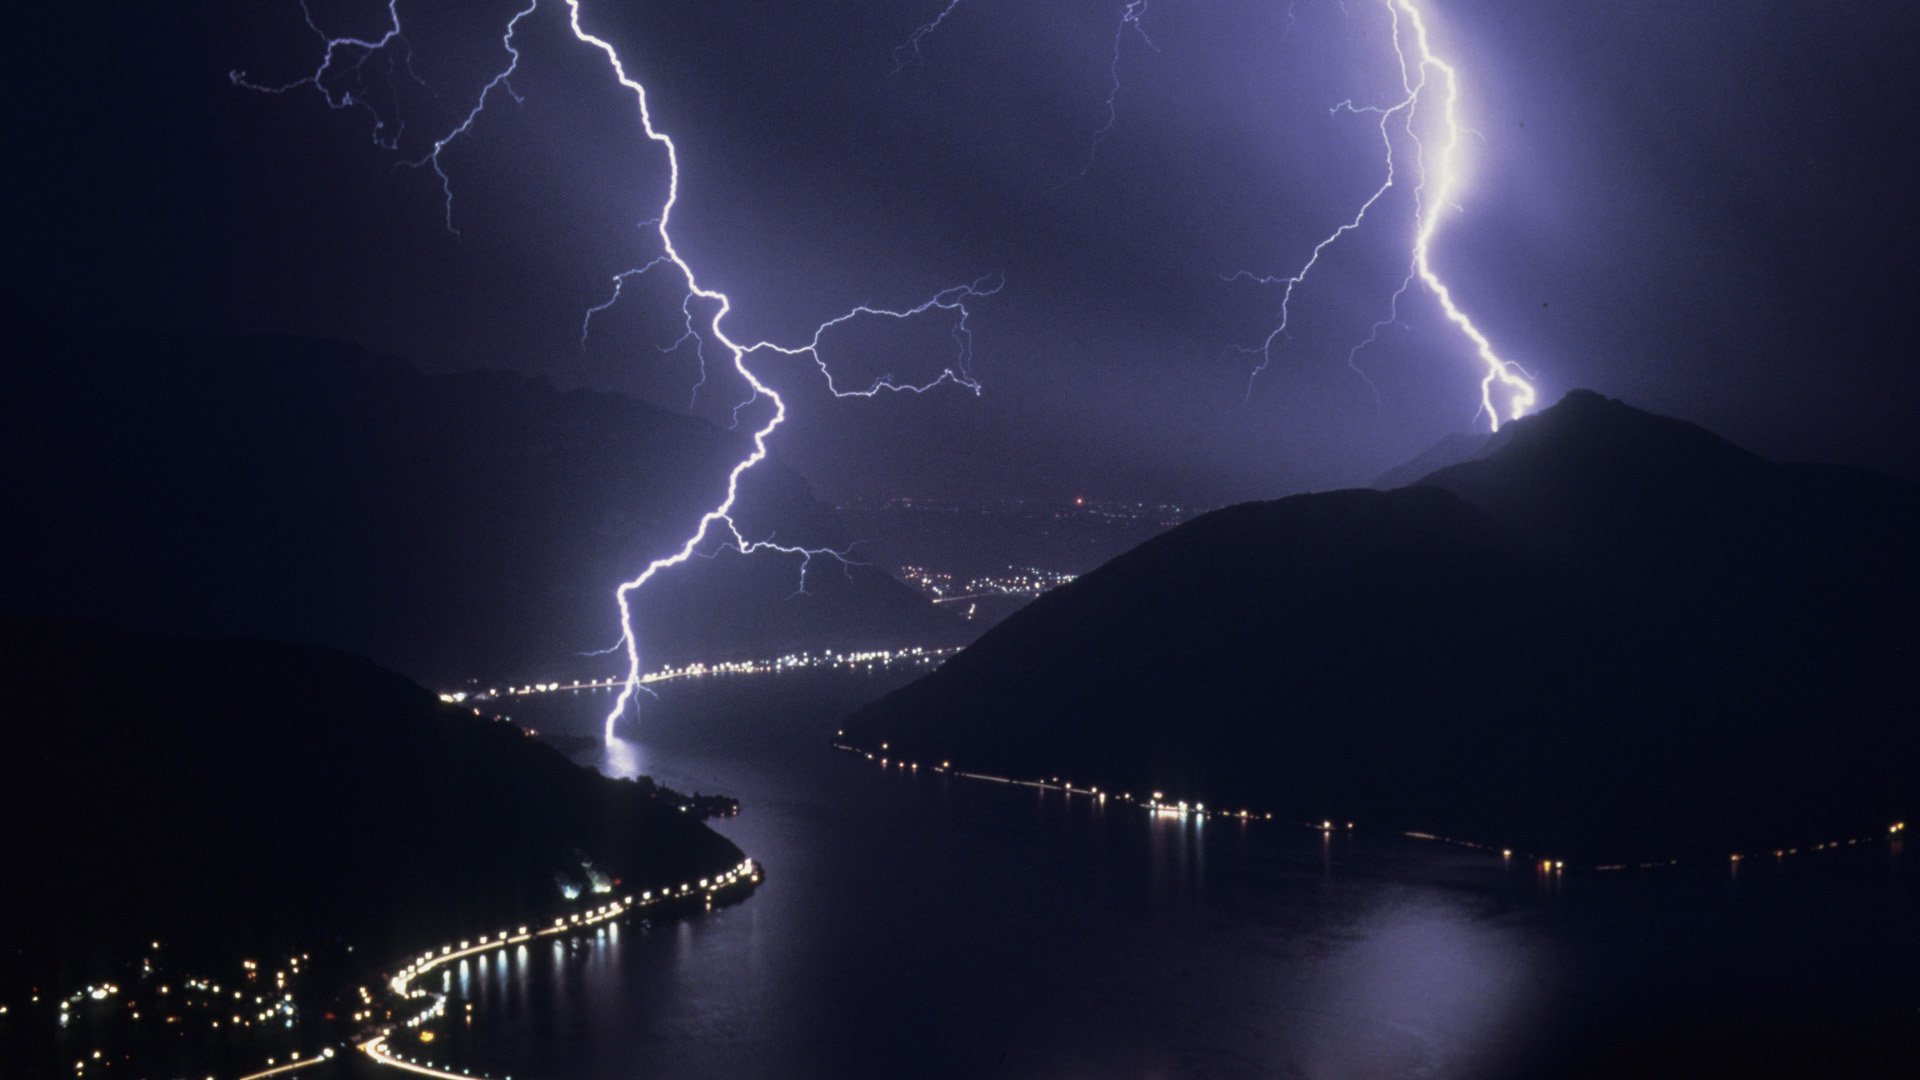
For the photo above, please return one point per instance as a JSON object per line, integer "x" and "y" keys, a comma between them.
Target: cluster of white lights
{"x": 1166, "y": 515}
{"x": 430, "y": 1006}
{"x": 936, "y": 583}
{"x": 1030, "y": 581}
{"x": 172, "y": 1000}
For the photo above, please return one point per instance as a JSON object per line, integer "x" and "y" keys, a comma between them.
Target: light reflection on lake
{"x": 922, "y": 925}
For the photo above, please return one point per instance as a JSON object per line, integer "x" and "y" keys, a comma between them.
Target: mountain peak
{"x": 1582, "y": 398}
{"x": 1582, "y": 425}
{"x": 1610, "y": 633}
{"x": 1588, "y": 430}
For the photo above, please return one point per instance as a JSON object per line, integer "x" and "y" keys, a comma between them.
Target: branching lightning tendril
{"x": 346, "y": 57}
{"x": 908, "y": 51}
{"x": 344, "y": 61}
{"x": 1130, "y": 16}
{"x": 480, "y": 103}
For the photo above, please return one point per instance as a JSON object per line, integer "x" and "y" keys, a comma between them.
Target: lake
{"x": 926, "y": 925}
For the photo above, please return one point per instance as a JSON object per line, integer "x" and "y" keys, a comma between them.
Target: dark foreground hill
{"x": 444, "y": 525}
{"x": 1611, "y": 636}
{"x": 243, "y": 798}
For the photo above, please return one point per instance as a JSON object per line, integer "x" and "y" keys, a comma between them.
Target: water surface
{"x": 921, "y": 925}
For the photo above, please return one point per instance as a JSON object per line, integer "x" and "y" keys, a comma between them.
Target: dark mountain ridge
{"x": 1611, "y": 636}
{"x": 456, "y": 525}
{"x": 237, "y": 797}
{"x": 1450, "y": 450}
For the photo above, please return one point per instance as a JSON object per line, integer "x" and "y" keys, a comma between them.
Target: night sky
{"x": 1702, "y": 208}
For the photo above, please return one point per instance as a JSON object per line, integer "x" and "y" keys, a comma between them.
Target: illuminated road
{"x": 402, "y": 983}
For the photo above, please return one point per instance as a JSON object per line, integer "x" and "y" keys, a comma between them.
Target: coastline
{"x": 374, "y": 1038}
{"x": 1161, "y": 805}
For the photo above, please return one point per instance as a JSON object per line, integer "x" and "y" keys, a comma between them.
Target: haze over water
{"x": 929, "y": 926}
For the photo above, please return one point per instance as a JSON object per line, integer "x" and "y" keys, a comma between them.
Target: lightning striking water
{"x": 346, "y": 57}
{"x": 1437, "y": 179}
{"x": 953, "y": 299}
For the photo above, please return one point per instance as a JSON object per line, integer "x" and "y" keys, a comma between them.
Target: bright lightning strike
{"x": 345, "y": 58}
{"x": 1500, "y": 373}
{"x": 1438, "y": 178}
{"x": 950, "y": 300}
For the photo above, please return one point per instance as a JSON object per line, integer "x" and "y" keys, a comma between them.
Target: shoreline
{"x": 373, "y": 1038}
{"x": 741, "y": 878}
{"x": 1160, "y": 805}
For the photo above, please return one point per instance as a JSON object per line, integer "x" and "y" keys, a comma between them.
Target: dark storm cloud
{"x": 1698, "y": 207}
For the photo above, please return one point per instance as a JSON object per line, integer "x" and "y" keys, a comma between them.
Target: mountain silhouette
{"x": 1605, "y": 635}
{"x": 234, "y": 797}
{"x": 448, "y": 526}
{"x": 1450, "y": 450}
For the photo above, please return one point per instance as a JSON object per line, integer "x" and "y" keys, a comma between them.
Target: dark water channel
{"x": 919, "y": 926}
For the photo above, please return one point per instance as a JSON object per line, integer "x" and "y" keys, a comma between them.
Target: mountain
{"x": 1610, "y": 636}
{"x": 1450, "y": 450}
{"x": 447, "y": 526}
{"x": 238, "y": 798}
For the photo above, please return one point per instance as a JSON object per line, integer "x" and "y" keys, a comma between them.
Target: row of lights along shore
{"x": 1158, "y": 805}
{"x": 857, "y": 659}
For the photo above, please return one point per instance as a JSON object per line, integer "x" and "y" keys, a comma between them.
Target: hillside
{"x": 447, "y": 526}
{"x": 1610, "y": 636}
{"x": 238, "y": 798}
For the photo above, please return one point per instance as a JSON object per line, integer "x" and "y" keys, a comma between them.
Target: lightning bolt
{"x": 1438, "y": 178}
{"x": 1520, "y": 393}
{"x": 344, "y": 61}
{"x": 349, "y": 55}
{"x": 1130, "y": 16}
{"x": 1436, "y": 181}
{"x": 1292, "y": 281}
{"x": 908, "y": 51}
{"x": 479, "y": 105}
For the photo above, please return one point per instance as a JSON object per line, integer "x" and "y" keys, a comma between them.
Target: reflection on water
{"x": 1417, "y": 979}
{"x": 928, "y": 926}
{"x": 623, "y": 758}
